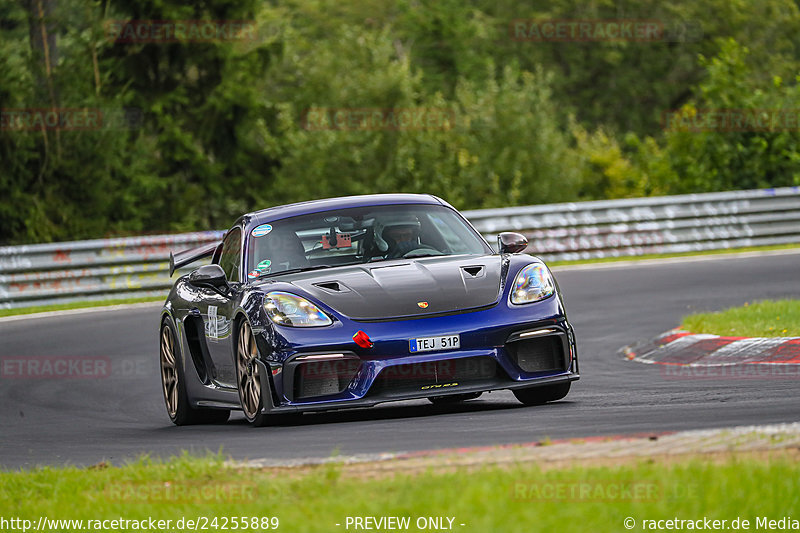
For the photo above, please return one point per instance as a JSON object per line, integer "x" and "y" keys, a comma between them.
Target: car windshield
{"x": 359, "y": 235}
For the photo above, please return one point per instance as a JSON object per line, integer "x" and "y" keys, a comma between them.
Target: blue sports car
{"x": 350, "y": 302}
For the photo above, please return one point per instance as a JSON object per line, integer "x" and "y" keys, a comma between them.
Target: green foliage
{"x": 721, "y": 157}
{"x": 55, "y": 184}
{"x": 626, "y": 85}
{"x": 224, "y": 128}
{"x": 605, "y": 170}
{"x": 498, "y": 143}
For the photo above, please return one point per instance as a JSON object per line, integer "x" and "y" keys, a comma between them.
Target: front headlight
{"x": 287, "y": 309}
{"x": 533, "y": 283}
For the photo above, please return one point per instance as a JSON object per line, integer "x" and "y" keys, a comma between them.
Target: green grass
{"x": 769, "y": 318}
{"x": 77, "y": 305}
{"x": 516, "y": 499}
{"x": 673, "y": 255}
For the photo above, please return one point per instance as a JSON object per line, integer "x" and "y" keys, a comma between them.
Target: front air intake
{"x": 323, "y": 378}
{"x": 539, "y": 354}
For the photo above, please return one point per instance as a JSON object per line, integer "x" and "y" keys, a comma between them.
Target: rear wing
{"x": 186, "y": 257}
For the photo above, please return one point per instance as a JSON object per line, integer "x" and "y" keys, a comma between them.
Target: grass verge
{"x": 768, "y": 318}
{"x": 78, "y": 305}
{"x": 519, "y": 499}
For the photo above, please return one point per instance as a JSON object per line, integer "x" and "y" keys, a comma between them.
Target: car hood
{"x": 406, "y": 288}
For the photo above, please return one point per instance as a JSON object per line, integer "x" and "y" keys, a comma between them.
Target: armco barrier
{"x": 666, "y": 224}
{"x": 101, "y": 269}
{"x": 43, "y": 274}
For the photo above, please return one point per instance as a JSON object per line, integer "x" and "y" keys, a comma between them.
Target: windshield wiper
{"x": 314, "y": 267}
{"x": 423, "y": 254}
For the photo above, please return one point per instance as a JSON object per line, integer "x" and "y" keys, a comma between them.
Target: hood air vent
{"x": 332, "y": 286}
{"x": 474, "y": 271}
{"x": 329, "y": 286}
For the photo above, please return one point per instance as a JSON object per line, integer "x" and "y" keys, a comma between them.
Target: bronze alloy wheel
{"x": 169, "y": 371}
{"x": 173, "y": 384}
{"x": 248, "y": 374}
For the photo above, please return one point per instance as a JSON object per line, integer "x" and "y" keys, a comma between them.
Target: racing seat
{"x": 284, "y": 249}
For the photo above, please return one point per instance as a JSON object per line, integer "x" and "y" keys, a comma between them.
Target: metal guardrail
{"x": 666, "y": 224}
{"x": 100, "y": 269}
{"x": 103, "y": 269}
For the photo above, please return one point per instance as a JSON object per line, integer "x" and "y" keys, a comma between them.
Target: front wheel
{"x": 173, "y": 385}
{"x": 540, "y": 395}
{"x": 248, "y": 377}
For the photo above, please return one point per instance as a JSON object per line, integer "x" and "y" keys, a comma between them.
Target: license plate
{"x": 429, "y": 344}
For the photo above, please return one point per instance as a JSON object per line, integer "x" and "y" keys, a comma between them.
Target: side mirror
{"x": 209, "y": 276}
{"x": 511, "y": 243}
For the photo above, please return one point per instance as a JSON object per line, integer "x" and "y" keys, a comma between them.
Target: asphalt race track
{"x": 118, "y": 416}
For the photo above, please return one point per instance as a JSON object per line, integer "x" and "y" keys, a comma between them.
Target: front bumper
{"x": 372, "y": 401}
{"x": 504, "y": 347}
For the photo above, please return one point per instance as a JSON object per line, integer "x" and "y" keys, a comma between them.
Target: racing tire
{"x": 173, "y": 385}
{"x": 249, "y": 376}
{"x": 542, "y": 395}
{"x": 453, "y": 398}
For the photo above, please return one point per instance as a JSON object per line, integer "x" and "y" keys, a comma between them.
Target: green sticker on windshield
{"x": 264, "y": 265}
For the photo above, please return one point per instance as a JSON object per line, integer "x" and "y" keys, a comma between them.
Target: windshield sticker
{"x": 264, "y": 266}
{"x": 253, "y": 274}
{"x": 260, "y": 231}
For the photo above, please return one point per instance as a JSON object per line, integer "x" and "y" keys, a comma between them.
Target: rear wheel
{"x": 540, "y": 395}
{"x": 173, "y": 385}
{"x": 453, "y": 398}
{"x": 248, "y": 376}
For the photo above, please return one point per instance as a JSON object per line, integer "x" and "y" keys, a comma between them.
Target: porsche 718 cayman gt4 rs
{"x": 350, "y": 302}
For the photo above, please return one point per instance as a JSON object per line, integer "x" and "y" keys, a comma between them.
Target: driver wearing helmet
{"x": 399, "y": 236}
